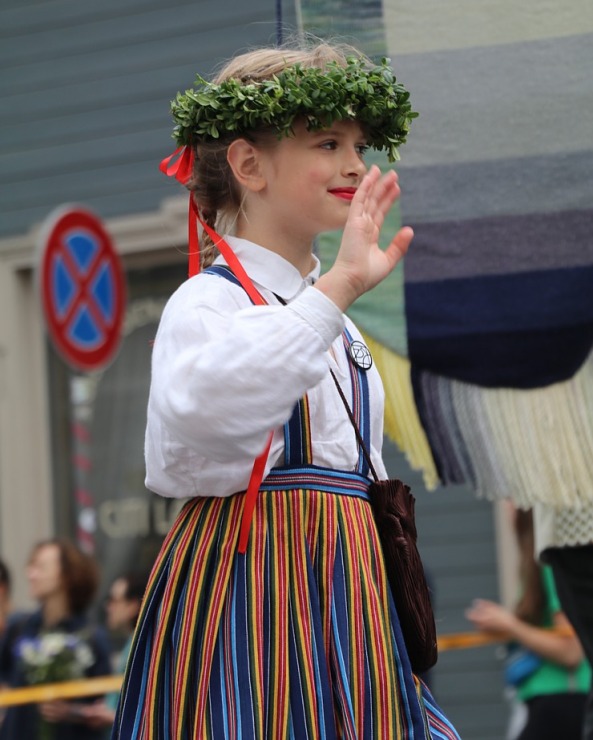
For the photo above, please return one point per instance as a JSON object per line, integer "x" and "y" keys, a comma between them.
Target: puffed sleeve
{"x": 224, "y": 374}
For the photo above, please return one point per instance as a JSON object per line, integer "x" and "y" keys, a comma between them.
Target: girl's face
{"x": 312, "y": 176}
{"x": 44, "y": 572}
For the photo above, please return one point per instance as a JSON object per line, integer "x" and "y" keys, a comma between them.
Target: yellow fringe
{"x": 402, "y": 424}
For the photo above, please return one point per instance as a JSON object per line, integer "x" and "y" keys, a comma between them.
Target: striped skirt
{"x": 297, "y": 638}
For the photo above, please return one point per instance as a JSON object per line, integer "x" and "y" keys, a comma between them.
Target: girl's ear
{"x": 244, "y": 161}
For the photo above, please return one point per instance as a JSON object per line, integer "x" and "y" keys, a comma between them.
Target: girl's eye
{"x": 332, "y": 145}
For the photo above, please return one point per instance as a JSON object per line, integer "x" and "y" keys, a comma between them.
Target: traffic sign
{"x": 82, "y": 287}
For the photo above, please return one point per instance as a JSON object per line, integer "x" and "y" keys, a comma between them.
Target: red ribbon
{"x": 180, "y": 165}
{"x": 259, "y": 466}
{"x": 257, "y": 475}
{"x": 180, "y": 168}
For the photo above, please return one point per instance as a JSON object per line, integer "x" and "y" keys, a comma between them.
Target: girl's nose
{"x": 354, "y": 165}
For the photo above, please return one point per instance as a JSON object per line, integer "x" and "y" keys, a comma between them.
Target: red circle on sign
{"x": 82, "y": 288}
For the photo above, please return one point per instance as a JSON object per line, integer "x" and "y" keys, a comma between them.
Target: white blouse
{"x": 226, "y": 372}
{"x": 562, "y": 527}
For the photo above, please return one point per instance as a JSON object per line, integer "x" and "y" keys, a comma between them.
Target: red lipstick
{"x": 344, "y": 193}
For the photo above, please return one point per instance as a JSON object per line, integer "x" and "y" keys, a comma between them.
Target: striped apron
{"x": 297, "y": 638}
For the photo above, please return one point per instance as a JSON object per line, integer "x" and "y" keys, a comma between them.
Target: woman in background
{"x": 548, "y": 670}
{"x": 63, "y": 580}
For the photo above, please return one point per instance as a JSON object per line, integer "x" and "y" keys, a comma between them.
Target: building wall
{"x": 85, "y": 89}
{"x": 25, "y": 477}
{"x": 84, "y": 116}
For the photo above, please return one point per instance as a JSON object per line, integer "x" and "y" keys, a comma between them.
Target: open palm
{"x": 364, "y": 263}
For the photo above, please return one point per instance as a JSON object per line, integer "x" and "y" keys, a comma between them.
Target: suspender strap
{"x": 223, "y": 271}
{"x": 360, "y": 405}
{"x": 297, "y": 436}
{"x": 259, "y": 466}
{"x": 297, "y": 430}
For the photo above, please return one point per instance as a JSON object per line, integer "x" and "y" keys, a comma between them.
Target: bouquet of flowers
{"x": 53, "y": 657}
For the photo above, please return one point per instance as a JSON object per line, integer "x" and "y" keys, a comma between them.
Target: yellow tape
{"x": 107, "y": 684}
{"x": 462, "y": 640}
{"x": 63, "y": 690}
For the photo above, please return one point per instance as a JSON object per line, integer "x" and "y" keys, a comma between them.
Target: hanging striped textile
{"x": 491, "y": 312}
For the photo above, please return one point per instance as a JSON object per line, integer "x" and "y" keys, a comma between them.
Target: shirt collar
{"x": 269, "y": 270}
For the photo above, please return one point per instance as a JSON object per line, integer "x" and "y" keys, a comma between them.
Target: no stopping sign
{"x": 82, "y": 287}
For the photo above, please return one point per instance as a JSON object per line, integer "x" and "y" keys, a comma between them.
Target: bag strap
{"x": 359, "y": 437}
{"x": 359, "y": 394}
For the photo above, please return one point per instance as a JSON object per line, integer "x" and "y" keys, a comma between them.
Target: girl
{"x": 269, "y": 615}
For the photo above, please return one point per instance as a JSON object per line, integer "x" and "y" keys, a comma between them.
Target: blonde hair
{"x": 262, "y": 64}
{"x": 212, "y": 184}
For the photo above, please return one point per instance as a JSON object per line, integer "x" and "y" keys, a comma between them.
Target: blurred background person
{"x": 4, "y": 612}
{"x": 564, "y": 541}
{"x": 546, "y": 668}
{"x": 56, "y": 642}
{"x": 4, "y": 596}
{"x": 122, "y": 607}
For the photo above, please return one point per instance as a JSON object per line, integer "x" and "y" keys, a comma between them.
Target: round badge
{"x": 360, "y": 355}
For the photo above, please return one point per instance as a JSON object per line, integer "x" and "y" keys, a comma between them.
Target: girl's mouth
{"x": 344, "y": 193}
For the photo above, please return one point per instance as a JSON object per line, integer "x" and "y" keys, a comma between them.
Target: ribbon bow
{"x": 180, "y": 168}
{"x": 180, "y": 165}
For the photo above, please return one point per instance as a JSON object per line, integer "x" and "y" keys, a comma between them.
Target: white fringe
{"x": 529, "y": 445}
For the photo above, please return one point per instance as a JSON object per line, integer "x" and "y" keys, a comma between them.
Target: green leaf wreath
{"x": 371, "y": 95}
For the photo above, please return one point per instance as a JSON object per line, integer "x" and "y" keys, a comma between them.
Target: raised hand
{"x": 361, "y": 264}
{"x": 488, "y": 616}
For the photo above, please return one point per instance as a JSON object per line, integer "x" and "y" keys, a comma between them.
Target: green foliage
{"x": 370, "y": 95}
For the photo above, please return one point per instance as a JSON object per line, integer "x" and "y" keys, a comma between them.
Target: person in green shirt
{"x": 557, "y": 677}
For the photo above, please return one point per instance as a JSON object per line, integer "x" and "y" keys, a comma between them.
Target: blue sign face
{"x": 80, "y": 276}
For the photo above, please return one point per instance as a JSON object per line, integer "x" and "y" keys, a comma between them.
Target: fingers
{"x": 399, "y": 245}
{"x": 386, "y": 197}
{"x": 373, "y": 199}
{"x": 363, "y": 191}
{"x": 376, "y": 194}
